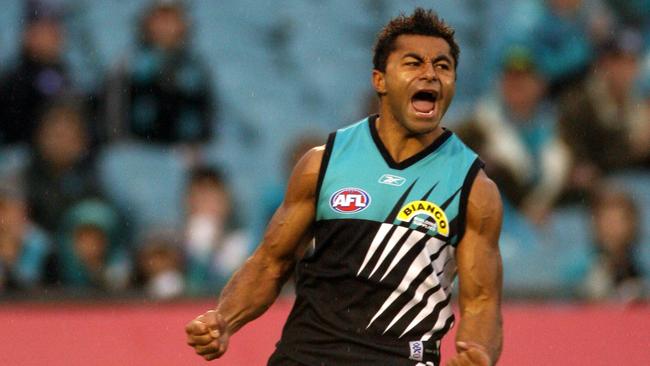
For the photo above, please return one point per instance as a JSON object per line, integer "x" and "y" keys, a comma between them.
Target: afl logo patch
{"x": 349, "y": 200}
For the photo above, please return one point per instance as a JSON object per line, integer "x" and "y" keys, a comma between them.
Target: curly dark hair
{"x": 421, "y": 22}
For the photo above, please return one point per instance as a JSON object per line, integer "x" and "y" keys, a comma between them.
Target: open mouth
{"x": 424, "y": 102}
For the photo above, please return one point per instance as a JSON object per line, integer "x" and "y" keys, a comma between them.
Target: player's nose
{"x": 429, "y": 72}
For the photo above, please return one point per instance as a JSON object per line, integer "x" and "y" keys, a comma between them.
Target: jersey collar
{"x": 372, "y": 124}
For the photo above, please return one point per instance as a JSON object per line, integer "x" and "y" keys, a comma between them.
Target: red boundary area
{"x": 152, "y": 334}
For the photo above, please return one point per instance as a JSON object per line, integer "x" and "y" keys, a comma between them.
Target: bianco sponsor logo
{"x": 411, "y": 210}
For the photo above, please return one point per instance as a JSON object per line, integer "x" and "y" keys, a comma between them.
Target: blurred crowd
{"x": 58, "y": 227}
{"x": 568, "y": 108}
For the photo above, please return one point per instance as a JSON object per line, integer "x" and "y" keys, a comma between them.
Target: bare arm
{"x": 479, "y": 336}
{"x": 255, "y": 286}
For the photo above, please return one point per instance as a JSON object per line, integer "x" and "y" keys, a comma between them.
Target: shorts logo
{"x": 426, "y": 215}
{"x": 392, "y": 180}
{"x": 417, "y": 350}
{"x": 350, "y": 200}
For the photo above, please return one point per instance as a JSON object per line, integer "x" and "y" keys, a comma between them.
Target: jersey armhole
{"x": 476, "y": 166}
{"x": 323, "y": 166}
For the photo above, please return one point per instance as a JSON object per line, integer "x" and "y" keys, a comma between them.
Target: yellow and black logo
{"x": 422, "y": 212}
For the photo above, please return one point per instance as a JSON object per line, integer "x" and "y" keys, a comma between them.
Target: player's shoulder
{"x": 308, "y": 167}
{"x": 484, "y": 211}
{"x": 484, "y": 196}
{"x": 311, "y": 161}
{"x": 304, "y": 178}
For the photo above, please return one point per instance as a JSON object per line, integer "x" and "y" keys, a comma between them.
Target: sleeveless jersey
{"x": 375, "y": 289}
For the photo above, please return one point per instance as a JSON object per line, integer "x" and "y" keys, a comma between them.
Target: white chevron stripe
{"x": 448, "y": 272}
{"x": 413, "y": 238}
{"x": 442, "y": 259}
{"x": 381, "y": 233}
{"x": 445, "y": 314}
{"x": 397, "y": 235}
{"x": 433, "y": 245}
{"x": 420, "y": 262}
{"x": 434, "y": 299}
{"x": 446, "y": 263}
{"x": 426, "y": 285}
{"x": 442, "y": 262}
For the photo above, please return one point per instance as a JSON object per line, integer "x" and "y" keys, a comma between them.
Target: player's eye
{"x": 412, "y": 63}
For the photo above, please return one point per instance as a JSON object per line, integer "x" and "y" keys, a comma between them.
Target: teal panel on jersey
{"x": 426, "y": 192}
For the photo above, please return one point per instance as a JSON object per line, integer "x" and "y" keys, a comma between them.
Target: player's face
{"x": 418, "y": 84}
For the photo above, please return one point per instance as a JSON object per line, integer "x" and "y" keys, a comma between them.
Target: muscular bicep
{"x": 292, "y": 222}
{"x": 255, "y": 286}
{"x": 477, "y": 256}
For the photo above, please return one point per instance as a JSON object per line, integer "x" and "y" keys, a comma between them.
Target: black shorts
{"x": 279, "y": 359}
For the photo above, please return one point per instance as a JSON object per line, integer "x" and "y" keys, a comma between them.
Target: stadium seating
{"x": 286, "y": 67}
{"x": 146, "y": 182}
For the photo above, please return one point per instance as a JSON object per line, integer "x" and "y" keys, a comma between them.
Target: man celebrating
{"x": 396, "y": 205}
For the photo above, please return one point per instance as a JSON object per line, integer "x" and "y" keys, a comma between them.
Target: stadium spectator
{"x": 563, "y": 41}
{"x": 91, "y": 255}
{"x": 159, "y": 261}
{"x": 519, "y": 127}
{"x": 162, "y": 92}
{"x": 614, "y": 274}
{"x": 642, "y": 136}
{"x": 634, "y": 14}
{"x": 215, "y": 245}
{"x": 602, "y": 118}
{"x": 23, "y": 246}
{"x": 61, "y": 171}
{"x": 38, "y": 76}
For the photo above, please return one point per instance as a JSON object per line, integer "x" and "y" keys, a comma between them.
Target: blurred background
{"x": 144, "y": 145}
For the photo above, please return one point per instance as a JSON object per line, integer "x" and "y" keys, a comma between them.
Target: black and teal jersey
{"x": 376, "y": 288}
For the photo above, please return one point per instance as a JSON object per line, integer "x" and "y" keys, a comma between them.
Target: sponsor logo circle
{"x": 426, "y": 215}
{"x": 350, "y": 200}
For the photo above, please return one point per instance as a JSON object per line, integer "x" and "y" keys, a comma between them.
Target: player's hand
{"x": 470, "y": 354}
{"x": 208, "y": 335}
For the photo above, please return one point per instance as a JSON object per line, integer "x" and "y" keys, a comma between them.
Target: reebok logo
{"x": 392, "y": 180}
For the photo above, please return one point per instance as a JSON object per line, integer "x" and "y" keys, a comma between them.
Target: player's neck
{"x": 400, "y": 142}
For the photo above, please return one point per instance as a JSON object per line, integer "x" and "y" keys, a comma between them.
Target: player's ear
{"x": 379, "y": 81}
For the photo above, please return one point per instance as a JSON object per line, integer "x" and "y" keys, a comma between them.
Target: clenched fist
{"x": 208, "y": 335}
